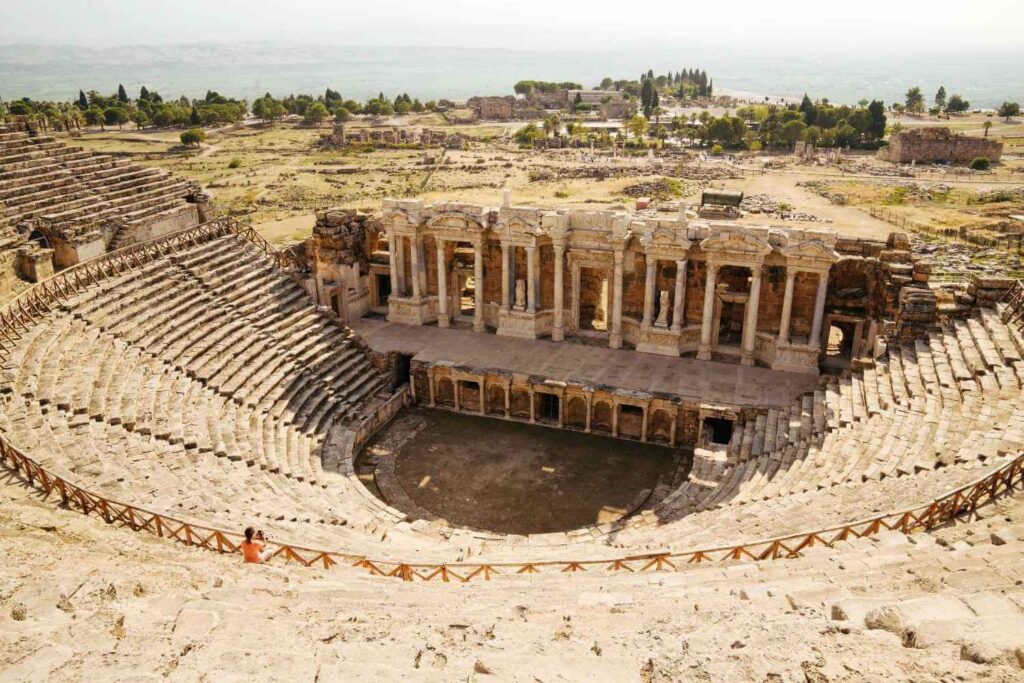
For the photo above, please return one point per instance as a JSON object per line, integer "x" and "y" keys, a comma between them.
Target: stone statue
{"x": 520, "y": 295}
{"x": 662, "y": 320}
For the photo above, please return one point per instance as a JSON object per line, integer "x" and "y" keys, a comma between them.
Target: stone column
{"x": 456, "y": 394}
{"x": 649, "y": 278}
{"x": 590, "y": 405}
{"x": 750, "y": 318}
{"x": 558, "y": 324}
{"x": 483, "y": 406}
{"x": 615, "y": 419}
{"x": 533, "y": 409}
{"x": 672, "y": 429}
{"x": 787, "y": 306}
{"x": 443, "y": 319}
{"x": 508, "y": 400}
{"x": 679, "y": 305}
{"x": 506, "y": 277}
{"x": 643, "y": 427}
{"x": 414, "y": 250}
{"x": 708, "y": 312}
{"x": 819, "y": 309}
{"x": 561, "y": 411}
{"x": 393, "y": 262}
{"x": 615, "y": 338}
{"x": 400, "y": 262}
{"x": 478, "y": 286}
{"x": 531, "y": 282}
{"x": 430, "y": 386}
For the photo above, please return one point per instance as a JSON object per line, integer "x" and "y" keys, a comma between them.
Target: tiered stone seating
{"x": 204, "y": 385}
{"x": 43, "y": 178}
{"x": 941, "y": 402}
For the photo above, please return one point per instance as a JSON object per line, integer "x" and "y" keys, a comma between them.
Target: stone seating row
{"x": 925, "y": 405}
{"x": 40, "y": 177}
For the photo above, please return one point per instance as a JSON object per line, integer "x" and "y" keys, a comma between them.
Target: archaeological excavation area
{"x": 561, "y": 413}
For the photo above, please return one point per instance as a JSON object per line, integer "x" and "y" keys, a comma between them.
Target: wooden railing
{"x": 1013, "y": 314}
{"x": 964, "y": 500}
{"x": 40, "y": 299}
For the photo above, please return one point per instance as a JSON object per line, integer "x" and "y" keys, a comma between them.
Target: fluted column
{"x": 506, "y": 277}
{"x": 558, "y": 325}
{"x": 679, "y": 305}
{"x": 393, "y": 263}
{"x": 787, "y": 306}
{"x": 819, "y": 309}
{"x": 707, "y": 313}
{"x": 615, "y": 338}
{"x": 443, "y": 319}
{"x": 414, "y": 251}
{"x": 649, "y": 277}
{"x": 750, "y": 318}
{"x": 478, "y": 286}
{"x": 531, "y": 282}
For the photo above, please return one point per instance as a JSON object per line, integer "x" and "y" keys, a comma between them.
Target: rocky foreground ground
{"x": 80, "y": 600}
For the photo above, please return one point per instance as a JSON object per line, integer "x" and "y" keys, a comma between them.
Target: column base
{"x": 558, "y": 334}
{"x": 478, "y": 325}
{"x": 747, "y": 359}
{"x": 443, "y": 321}
{"x": 615, "y": 341}
{"x": 703, "y": 352}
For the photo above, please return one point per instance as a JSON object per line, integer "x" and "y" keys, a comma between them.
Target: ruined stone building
{"x": 60, "y": 205}
{"x": 659, "y": 283}
{"x": 938, "y": 145}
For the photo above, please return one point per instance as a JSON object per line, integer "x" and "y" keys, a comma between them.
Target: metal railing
{"x": 38, "y": 301}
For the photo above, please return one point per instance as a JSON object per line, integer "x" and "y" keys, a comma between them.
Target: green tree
{"x": 315, "y": 114}
{"x": 606, "y": 83}
{"x": 192, "y": 137}
{"x": 551, "y": 124}
{"x": 140, "y": 118}
{"x": 194, "y": 118}
{"x": 267, "y": 108}
{"x": 914, "y": 100}
{"x": 83, "y": 101}
{"x": 637, "y": 125}
{"x": 115, "y": 116}
{"x": 987, "y": 126}
{"x": 341, "y": 115}
{"x": 122, "y": 94}
{"x": 957, "y": 104}
{"x": 940, "y": 97}
{"x": 647, "y": 97}
{"x": 1008, "y": 110}
{"x": 94, "y": 117}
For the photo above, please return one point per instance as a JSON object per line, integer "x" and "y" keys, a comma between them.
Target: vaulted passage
{"x": 509, "y": 477}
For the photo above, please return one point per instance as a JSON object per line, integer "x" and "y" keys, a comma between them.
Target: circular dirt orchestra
{"x": 510, "y": 477}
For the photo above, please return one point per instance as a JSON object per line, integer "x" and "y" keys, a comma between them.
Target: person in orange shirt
{"x": 254, "y": 547}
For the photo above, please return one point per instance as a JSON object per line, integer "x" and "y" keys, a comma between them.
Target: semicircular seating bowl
{"x": 205, "y": 384}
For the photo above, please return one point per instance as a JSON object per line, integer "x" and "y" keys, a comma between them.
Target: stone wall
{"x": 931, "y": 145}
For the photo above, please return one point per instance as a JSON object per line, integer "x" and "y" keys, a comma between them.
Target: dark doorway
{"x": 383, "y": 289}
{"x": 402, "y": 364}
{"x": 548, "y": 409}
{"x": 718, "y": 430}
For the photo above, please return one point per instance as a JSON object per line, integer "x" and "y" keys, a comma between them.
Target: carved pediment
{"x": 735, "y": 245}
{"x": 455, "y": 225}
{"x": 812, "y": 251}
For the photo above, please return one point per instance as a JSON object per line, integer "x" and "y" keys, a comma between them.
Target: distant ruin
{"x": 938, "y": 145}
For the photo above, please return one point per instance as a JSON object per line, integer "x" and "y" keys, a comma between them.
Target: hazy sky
{"x": 943, "y": 25}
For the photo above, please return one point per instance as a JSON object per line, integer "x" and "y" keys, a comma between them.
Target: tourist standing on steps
{"x": 254, "y": 547}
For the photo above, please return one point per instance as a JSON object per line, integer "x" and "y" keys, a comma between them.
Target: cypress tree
{"x": 83, "y": 101}
{"x": 144, "y": 94}
{"x": 194, "y": 116}
{"x": 122, "y": 94}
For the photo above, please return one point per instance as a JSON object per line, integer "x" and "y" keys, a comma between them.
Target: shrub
{"x": 717, "y": 150}
{"x": 981, "y": 164}
{"x": 562, "y": 194}
{"x": 235, "y": 163}
{"x": 192, "y": 137}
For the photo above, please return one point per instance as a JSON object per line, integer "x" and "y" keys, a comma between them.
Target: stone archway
{"x": 602, "y": 420}
{"x": 576, "y": 413}
{"x": 660, "y": 428}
